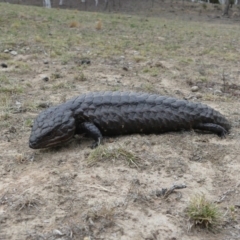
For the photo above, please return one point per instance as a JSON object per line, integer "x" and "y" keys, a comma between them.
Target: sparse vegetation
{"x": 63, "y": 85}
{"x": 103, "y": 213}
{"x": 27, "y": 202}
{"x": 148, "y": 87}
{"x": 21, "y": 67}
{"x": 232, "y": 212}
{"x": 11, "y": 89}
{"x": 74, "y": 24}
{"x": 5, "y": 56}
{"x": 204, "y": 6}
{"x": 103, "y": 153}
{"x": 204, "y": 213}
{"x": 28, "y": 122}
{"x": 98, "y": 25}
{"x": 80, "y": 77}
{"x": 56, "y": 75}
{"x": 139, "y": 59}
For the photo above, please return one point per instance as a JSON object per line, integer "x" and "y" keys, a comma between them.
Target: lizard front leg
{"x": 92, "y": 130}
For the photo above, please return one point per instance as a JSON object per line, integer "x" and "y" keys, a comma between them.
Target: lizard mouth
{"x": 33, "y": 145}
{"x": 47, "y": 144}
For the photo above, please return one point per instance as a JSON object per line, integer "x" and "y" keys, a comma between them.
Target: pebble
{"x": 45, "y": 78}
{"x": 198, "y": 95}
{"x": 14, "y": 53}
{"x": 86, "y": 238}
{"x": 56, "y": 232}
{"x": 4, "y": 65}
{"x": 218, "y": 92}
{"x": 195, "y": 88}
{"x": 125, "y": 68}
{"x": 85, "y": 61}
{"x": 6, "y": 51}
{"x": 189, "y": 97}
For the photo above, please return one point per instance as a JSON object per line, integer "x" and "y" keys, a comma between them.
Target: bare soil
{"x": 58, "y": 193}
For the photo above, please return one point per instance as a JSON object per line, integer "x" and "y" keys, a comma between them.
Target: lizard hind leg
{"x": 92, "y": 131}
{"x": 212, "y": 127}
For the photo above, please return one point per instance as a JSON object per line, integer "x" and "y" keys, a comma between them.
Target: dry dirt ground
{"x": 73, "y": 192}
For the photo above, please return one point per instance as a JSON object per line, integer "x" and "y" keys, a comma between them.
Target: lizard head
{"x": 52, "y": 127}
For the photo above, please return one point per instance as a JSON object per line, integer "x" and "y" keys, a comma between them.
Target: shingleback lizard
{"x": 113, "y": 113}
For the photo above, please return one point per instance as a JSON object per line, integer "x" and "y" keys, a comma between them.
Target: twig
{"x": 99, "y": 187}
{"x": 224, "y": 196}
{"x": 224, "y": 81}
{"x": 166, "y": 192}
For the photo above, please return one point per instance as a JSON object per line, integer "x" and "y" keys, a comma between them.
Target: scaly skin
{"x": 113, "y": 113}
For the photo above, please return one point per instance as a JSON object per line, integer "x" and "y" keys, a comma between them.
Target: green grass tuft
{"x": 204, "y": 213}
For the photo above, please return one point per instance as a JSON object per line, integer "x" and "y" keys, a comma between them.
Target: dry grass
{"x": 101, "y": 212}
{"x": 74, "y": 24}
{"x": 98, "y": 25}
{"x": 103, "y": 153}
{"x": 121, "y": 33}
{"x": 204, "y": 213}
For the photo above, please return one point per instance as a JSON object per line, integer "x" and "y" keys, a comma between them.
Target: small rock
{"x": 125, "y": 68}
{"x": 198, "y": 95}
{"x": 6, "y": 51}
{"x": 168, "y": 211}
{"x": 4, "y": 65}
{"x": 46, "y": 62}
{"x": 45, "y": 78}
{"x": 56, "y": 232}
{"x": 14, "y": 53}
{"x": 218, "y": 92}
{"x": 85, "y": 61}
{"x": 189, "y": 97}
{"x": 86, "y": 238}
{"x": 135, "y": 53}
{"x": 195, "y": 88}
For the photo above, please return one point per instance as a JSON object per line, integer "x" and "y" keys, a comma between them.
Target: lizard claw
{"x": 223, "y": 134}
{"x": 96, "y": 143}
